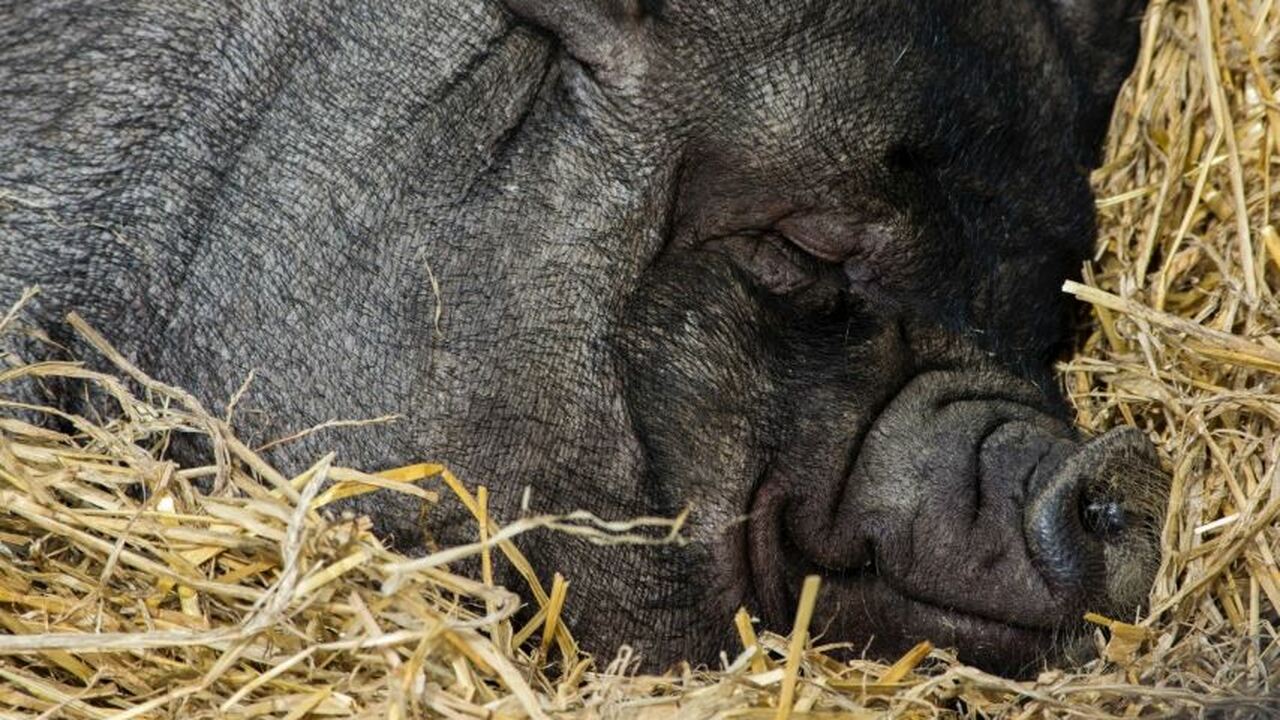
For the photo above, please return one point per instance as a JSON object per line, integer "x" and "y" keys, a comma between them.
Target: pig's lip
{"x": 990, "y": 643}
{"x": 784, "y": 581}
{"x": 775, "y": 566}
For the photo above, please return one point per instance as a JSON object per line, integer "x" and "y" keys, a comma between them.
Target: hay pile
{"x": 253, "y": 604}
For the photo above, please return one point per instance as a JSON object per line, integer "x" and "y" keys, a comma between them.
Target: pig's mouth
{"x": 969, "y": 528}
{"x": 867, "y": 609}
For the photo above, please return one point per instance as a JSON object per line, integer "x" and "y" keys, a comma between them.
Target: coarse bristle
{"x": 250, "y": 603}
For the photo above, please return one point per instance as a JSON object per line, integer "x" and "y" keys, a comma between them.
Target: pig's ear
{"x": 604, "y": 35}
{"x": 1102, "y": 37}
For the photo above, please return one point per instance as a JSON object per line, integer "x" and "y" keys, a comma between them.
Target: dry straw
{"x": 254, "y": 604}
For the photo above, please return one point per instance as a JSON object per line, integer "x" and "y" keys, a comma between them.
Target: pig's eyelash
{"x": 774, "y": 263}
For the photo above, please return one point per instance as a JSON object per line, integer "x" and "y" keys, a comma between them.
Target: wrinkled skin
{"x": 794, "y": 265}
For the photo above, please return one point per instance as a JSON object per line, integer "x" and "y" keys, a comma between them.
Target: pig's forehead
{"x": 794, "y": 63}
{"x": 874, "y": 34}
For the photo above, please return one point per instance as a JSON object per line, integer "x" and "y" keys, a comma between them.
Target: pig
{"x": 791, "y": 266}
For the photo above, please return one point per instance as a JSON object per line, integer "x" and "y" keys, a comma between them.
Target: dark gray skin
{"x": 793, "y": 264}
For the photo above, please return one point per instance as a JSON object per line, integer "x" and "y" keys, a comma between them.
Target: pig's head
{"x": 794, "y": 264}
{"x": 838, "y": 353}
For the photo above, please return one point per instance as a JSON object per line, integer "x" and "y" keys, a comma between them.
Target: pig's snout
{"x": 1093, "y": 519}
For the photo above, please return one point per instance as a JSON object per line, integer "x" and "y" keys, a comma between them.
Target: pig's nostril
{"x": 1102, "y": 516}
{"x": 1090, "y": 505}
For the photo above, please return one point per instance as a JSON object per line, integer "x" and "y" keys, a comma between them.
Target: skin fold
{"x": 792, "y": 265}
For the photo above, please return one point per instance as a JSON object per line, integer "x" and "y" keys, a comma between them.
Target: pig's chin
{"x": 866, "y": 610}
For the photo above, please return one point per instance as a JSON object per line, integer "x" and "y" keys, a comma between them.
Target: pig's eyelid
{"x": 775, "y": 264}
{"x": 838, "y": 241}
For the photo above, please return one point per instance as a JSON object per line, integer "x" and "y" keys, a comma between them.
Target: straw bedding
{"x": 255, "y": 602}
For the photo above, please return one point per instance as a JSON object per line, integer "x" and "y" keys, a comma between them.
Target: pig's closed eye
{"x": 774, "y": 263}
{"x": 804, "y": 255}
{"x": 837, "y": 238}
